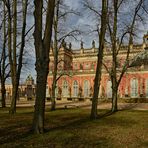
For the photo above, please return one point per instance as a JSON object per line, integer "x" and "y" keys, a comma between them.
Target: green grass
{"x": 72, "y": 128}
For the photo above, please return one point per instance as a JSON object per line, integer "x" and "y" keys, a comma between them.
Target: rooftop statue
{"x": 63, "y": 43}
{"x": 81, "y": 44}
{"x": 29, "y": 78}
{"x": 93, "y": 44}
{"x": 70, "y": 46}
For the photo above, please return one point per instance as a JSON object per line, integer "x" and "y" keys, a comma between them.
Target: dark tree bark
{"x": 3, "y": 60}
{"x": 99, "y": 59}
{"x": 42, "y": 47}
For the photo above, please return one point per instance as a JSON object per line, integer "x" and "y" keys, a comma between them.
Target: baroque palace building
{"x": 76, "y": 72}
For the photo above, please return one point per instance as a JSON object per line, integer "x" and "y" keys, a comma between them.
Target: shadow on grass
{"x": 128, "y": 106}
{"x": 81, "y": 122}
{"x": 13, "y": 135}
{"x": 107, "y": 113}
{"x": 65, "y": 122}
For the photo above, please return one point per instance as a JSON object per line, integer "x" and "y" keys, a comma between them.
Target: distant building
{"x": 26, "y": 90}
{"x": 79, "y": 68}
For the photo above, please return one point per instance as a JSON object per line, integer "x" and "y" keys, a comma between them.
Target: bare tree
{"x": 116, "y": 45}
{"x": 101, "y": 35}
{"x": 42, "y": 46}
{"x": 4, "y": 64}
{"x": 15, "y": 57}
{"x": 59, "y": 41}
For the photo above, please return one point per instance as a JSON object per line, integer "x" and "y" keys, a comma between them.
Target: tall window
{"x": 147, "y": 88}
{"x": 75, "y": 89}
{"x": 86, "y": 88}
{"x": 134, "y": 88}
{"x": 47, "y": 91}
{"x": 65, "y": 89}
{"x": 56, "y": 91}
{"x": 109, "y": 89}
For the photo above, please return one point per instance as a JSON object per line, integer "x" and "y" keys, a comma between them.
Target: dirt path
{"x": 87, "y": 104}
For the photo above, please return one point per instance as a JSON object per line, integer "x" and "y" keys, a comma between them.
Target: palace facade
{"x": 76, "y": 72}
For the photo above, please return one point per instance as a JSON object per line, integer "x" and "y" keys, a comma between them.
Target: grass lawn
{"x": 72, "y": 128}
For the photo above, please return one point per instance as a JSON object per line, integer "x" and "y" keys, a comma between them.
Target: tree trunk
{"x": 14, "y": 65}
{"x": 53, "y": 102}
{"x": 12, "y": 109}
{"x": 3, "y": 92}
{"x": 96, "y": 87}
{"x": 42, "y": 46}
{"x": 12, "y": 58}
{"x": 114, "y": 100}
{"x": 100, "y": 58}
{"x": 38, "y": 121}
{"x": 55, "y": 52}
{"x": 3, "y": 62}
{"x": 114, "y": 56}
{"x": 54, "y": 82}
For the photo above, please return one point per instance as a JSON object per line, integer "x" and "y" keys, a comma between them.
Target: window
{"x": 86, "y": 88}
{"x": 126, "y": 91}
{"x": 56, "y": 91}
{"x": 75, "y": 89}
{"x": 87, "y": 66}
{"x": 134, "y": 88}
{"x": 65, "y": 89}
{"x": 109, "y": 89}
{"x": 81, "y": 67}
{"x": 75, "y": 66}
{"x": 93, "y": 66}
{"x": 47, "y": 91}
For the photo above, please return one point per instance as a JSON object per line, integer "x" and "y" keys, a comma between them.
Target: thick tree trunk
{"x": 12, "y": 109}
{"x": 100, "y": 58}
{"x": 38, "y": 121}
{"x": 96, "y": 87}
{"x": 42, "y": 46}
{"x": 114, "y": 100}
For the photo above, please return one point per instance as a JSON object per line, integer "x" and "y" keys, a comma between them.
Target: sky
{"x": 86, "y": 22}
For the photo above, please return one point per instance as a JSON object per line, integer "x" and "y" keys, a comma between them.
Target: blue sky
{"x": 85, "y": 22}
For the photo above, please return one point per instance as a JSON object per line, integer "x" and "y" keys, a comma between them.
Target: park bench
{"x": 71, "y": 106}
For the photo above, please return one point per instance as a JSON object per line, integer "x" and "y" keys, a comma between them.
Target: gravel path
{"x": 87, "y": 104}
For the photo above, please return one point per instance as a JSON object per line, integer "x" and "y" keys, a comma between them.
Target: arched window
{"x": 86, "y": 88}
{"x": 134, "y": 88}
{"x": 75, "y": 89}
{"x": 65, "y": 89}
{"x": 146, "y": 88}
{"x": 109, "y": 89}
